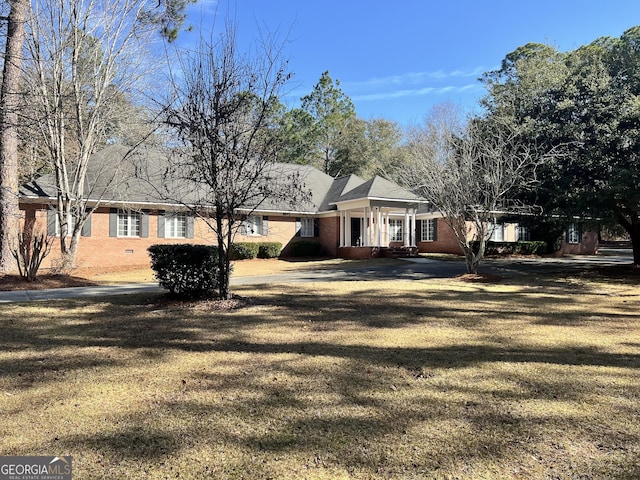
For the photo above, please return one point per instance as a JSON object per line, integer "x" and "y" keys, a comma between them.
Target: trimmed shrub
{"x": 512, "y": 248}
{"x": 306, "y": 248}
{"x": 243, "y": 250}
{"x": 531, "y": 248}
{"x": 269, "y": 249}
{"x": 186, "y": 270}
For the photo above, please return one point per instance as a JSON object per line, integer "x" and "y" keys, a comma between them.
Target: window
{"x": 53, "y": 224}
{"x": 252, "y": 226}
{"x": 128, "y": 224}
{"x": 70, "y": 224}
{"x": 306, "y": 227}
{"x": 175, "y": 225}
{"x": 428, "y": 230}
{"x": 395, "y": 230}
{"x": 522, "y": 234}
{"x": 497, "y": 232}
{"x": 573, "y": 233}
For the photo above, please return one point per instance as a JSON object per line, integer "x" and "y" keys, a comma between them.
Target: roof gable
{"x": 380, "y": 188}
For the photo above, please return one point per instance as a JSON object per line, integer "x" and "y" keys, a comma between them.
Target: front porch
{"x": 376, "y": 217}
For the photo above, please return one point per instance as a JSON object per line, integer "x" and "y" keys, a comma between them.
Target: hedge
{"x": 185, "y": 269}
{"x": 243, "y": 250}
{"x": 306, "y": 248}
{"x": 513, "y": 248}
{"x": 269, "y": 249}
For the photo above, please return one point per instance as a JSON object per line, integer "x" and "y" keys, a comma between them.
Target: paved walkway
{"x": 410, "y": 269}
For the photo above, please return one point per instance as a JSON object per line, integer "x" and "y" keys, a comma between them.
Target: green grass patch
{"x": 424, "y": 379}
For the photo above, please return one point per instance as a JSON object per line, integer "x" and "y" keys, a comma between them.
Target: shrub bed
{"x": 269, "y": 249}
{"x": 513, "y": 248}
{"x": 306, "y": 248}
{"x": 244, "y": 250}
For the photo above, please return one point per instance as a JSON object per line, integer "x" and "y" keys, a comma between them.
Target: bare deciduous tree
{"x": 84, "y": 57}
{"x": 222, "y": 112}
{"x": 469, "y": 171}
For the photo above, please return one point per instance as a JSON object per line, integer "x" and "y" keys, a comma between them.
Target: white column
{"x": 378, "y": 227}
{"x": 347, "y": 228}
{"x": 364, "y": 231}
{"x": 386, "y": 229}
{"x": 371, "y": 230}
{"x": 413, "y": 228}
{"x": 406, "y": 228}
{"x": 341, "y": 228}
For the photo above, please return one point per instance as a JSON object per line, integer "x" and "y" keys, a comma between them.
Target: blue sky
{"x": 397, "y": 60}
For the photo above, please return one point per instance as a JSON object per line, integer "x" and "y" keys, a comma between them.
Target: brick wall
{"x": 588, "y": 245}
{"x": 101, "y": 250}
{"x": 330, "y": 235}
{"x": 446, "y": 241}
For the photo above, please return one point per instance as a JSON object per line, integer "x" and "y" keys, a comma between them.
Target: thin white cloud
{"x": 415, "y": 78}
{"x": 419, "y": 92}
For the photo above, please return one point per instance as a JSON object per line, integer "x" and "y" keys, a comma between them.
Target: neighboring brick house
{"x": 349, "y": 216}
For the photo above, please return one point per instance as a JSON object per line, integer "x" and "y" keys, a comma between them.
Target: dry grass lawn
{"x": 242, "y": 268}
{"x": 138, "y": 274}
{"x": 411, "y": 380}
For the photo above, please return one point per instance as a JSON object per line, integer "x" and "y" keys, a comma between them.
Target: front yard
{"x": 423, "y": 379}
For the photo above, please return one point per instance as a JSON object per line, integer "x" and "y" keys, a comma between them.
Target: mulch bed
{"x": 479, "y": 278}
{"x": 43, "y": 282}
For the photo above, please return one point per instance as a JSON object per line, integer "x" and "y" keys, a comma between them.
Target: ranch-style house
{"x": 349, "y": 216}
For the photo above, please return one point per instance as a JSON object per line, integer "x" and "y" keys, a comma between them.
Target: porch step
{"x": 401, "y": 252}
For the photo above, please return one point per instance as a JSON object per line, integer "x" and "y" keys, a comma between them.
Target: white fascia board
{"x": 429, "y": 215}
{"x": 367, "y": 200}
{"x": 284, "y": 213}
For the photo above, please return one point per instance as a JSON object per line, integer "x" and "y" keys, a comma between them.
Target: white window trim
{"x": 573, "y": 234}
{"x": 70, "y": 225}
{"x": 253, "y": 226}
{"x": 130, "y": 216}
{"x": 495, "y": 228}
{"x": 396, "y": 235}
{"x": 427, "y": 231}
{"x": 171, "y": 223}
{"x": 523, "y": 234}
{"x": 307, "y": 227}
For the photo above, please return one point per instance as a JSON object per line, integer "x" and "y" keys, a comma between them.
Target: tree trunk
{"x": 634, "y": 233}
{"x": 223, "y": 257}
{"x": 631, "y": 223}
{"x": 9, "y": 104}
{"x": 472, "y": 258}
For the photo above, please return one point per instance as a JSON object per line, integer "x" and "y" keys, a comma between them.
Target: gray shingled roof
{"x": 144, "y": 163}
{"x": 379, "y": 187}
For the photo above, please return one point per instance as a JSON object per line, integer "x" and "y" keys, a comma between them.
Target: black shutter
{"x": 113, "y": 222}
{"x": 579, "y": 227}
{"x": 419, "y": 230}
{"x": 190, "y": 226}
{"x": 316, "y": 227}
{"x": 52, "y": 213}
{"x": 435, "y": 229}
{"x": 161, "y": 222}
{"x": 144, "y": 224}
{"x": 86, "y": 227}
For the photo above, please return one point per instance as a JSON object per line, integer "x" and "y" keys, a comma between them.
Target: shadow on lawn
{"x": 149, "y": 326}
{"x": 342, "y": 402}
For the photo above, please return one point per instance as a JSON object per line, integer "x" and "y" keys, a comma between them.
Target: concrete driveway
{"x": 409, "y": 269}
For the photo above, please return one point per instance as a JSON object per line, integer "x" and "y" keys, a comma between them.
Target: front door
{"x": 356, "y": 241}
